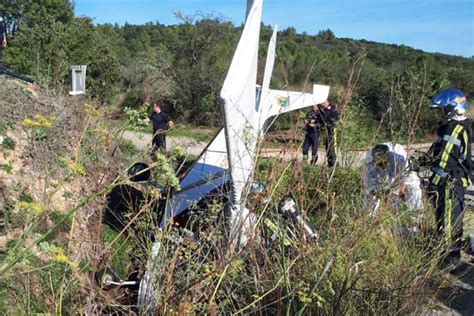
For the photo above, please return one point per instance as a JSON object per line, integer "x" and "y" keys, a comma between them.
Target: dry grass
{"x": 359, "y": 264}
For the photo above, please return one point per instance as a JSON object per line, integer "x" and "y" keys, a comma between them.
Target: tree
{"x": 47, "y": 51}
{"x": 326, "y": 35}
{"x": 462, "y": 78}
{"x": 19, "y": 13}
{"x": 201, "y": 58}
{"x": 147, "y": 78}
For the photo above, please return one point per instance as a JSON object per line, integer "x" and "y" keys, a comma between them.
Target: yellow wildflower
{"x": 90, "y": 110}
{"x": 29, "y": 123}
{"x": 39, "y": 121}
{"x": 77, "y": 168}
{"x": 60, "y": 257}
{"x": 32, "y": 207}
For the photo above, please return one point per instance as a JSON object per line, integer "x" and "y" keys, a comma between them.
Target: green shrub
{"x": 8, "y": 167}
{"x": 128, "y": 148}
{"x": 8, "y": 143}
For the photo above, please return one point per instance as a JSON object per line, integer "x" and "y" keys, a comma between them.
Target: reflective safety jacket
{"x": 452, "y": 153}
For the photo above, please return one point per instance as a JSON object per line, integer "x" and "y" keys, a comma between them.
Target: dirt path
{"x": 142, "y": 141}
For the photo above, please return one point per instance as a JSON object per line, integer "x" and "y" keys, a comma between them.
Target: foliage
{"x": 359, "y": 125}
{"x": 200, "y": 54}
{"x": 46, "y": 51}
{"x": 19, "y": 13}
{"x": 128, "y": 148}
{"x": 7, "y": 142}
{"x": 8, "y": 168}
{"x": 194, "y": 133}
{"x": 185, "y": 64}
{"x": 147, "y": 77}
{"x": 358, "y": 264}
{"x": 138, "y": 119}
{"x": 163, "y": 173}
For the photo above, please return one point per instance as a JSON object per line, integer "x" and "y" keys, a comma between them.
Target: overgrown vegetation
{"x": 359, "y": 264}
{"x": 63, "y": 159}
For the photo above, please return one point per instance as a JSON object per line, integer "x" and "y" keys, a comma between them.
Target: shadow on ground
{"x": 459, "y": 295}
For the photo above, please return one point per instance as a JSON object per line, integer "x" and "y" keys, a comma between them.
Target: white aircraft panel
{"x": 239, "y": 98}
{"x": 280, "y": 101}
{"x": 267, "y": 75}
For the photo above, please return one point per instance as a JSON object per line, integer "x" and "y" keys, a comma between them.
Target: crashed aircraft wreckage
{"x": 231, "y": 155}
{"x": 229, "y": 159}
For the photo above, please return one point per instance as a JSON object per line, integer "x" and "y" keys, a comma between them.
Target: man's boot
{"x": 314, "y": 160}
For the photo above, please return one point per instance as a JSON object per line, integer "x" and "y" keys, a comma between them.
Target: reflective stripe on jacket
{"x": 452, "y": 152}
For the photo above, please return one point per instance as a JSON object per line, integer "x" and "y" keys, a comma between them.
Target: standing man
{"x": 313, "y": 126}
{"x": 161, "y": 122}
{"x": 451, "y": 168}
{"x": 3, "y": 39}
{"x": 329, "y": 117}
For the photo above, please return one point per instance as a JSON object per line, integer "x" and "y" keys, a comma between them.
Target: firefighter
{"x": 329, "y": 117}
{"x": 451, "y": 168}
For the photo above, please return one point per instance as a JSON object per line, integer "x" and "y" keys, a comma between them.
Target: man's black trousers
{"x": 311, "y": 140}
{"x": 331, "y": 146}
{"x": 159, "y": 141}
{"x": 449, "y": 216}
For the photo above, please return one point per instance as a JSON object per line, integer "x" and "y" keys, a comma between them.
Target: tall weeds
{"x": 358, "y": 265}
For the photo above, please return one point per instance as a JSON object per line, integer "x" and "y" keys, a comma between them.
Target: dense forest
{"x": 185, "y": 65}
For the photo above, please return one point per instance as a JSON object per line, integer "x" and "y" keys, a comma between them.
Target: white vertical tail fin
{"x": 239, "y": 102}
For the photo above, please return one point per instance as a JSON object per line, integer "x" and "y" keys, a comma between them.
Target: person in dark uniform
{"x": 451, "y": 169}
{"x": 3, "y": 39}
{"x": 311, "y": 139}
{"x": 329, "y": 118}
{"x": 161, "y": 122}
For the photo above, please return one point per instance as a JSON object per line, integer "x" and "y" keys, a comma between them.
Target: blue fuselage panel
{"x": 200, "y": 181}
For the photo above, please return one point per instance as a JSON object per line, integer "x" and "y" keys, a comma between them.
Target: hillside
{"x": 56, "y": 159}
{"x": 185, "y": 65}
